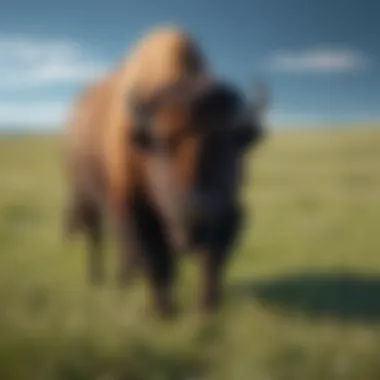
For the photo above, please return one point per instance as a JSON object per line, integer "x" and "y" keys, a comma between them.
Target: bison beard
{"x": 148, "y": 183}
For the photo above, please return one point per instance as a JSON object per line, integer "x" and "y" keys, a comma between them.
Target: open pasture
{"x": 302, "y": 290}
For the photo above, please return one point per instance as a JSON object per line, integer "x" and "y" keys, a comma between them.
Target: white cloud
{"x": 32, "y": 114}
{"x": 319, "y": 60}
{"x": 31, "y": 62}
{"x": 35, "y": 64}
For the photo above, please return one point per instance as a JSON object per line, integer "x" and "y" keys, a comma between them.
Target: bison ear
{"x": 259, "y": 99}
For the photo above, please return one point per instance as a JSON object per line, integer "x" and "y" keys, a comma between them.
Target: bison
{"x": 156, "y": 148}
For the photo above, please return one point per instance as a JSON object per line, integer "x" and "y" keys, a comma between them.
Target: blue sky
{"x": 319, "y": 57}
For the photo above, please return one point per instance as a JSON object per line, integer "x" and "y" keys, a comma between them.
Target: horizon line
{"x": 274, "y": 127}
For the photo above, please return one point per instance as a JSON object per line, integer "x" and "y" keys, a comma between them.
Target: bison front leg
{"x": 129, "y": 250}
{"x": 160, "y": 271}
{"x": 214, "y": 259}
{"x": 143, "y": 246}
{"x": 158, "y": 257}
{"x": 213, "y": 265}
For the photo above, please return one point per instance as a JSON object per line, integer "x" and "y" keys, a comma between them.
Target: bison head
{"x": 192, "y": 136}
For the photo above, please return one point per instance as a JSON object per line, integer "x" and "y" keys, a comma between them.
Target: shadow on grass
{"x": 344, "y": 296}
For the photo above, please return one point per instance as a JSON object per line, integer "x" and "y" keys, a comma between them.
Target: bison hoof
{"x": 168, "y": 312}
{"x": 165, "y": 308}
{"x": 96, "y": 279}
{"x": 210, "y": 305}
{"x": 124, "y": 282}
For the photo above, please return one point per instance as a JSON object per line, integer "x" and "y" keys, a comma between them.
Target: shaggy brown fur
{"x": 109, "y": 175}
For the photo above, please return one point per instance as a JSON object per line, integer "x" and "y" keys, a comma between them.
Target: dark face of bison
{"x": 193, "y": 137}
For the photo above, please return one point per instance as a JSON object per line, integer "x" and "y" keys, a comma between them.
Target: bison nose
{"x": 198, "y": 209}
{"x": 198, "y": 217}
{"x": 204, "y": 208}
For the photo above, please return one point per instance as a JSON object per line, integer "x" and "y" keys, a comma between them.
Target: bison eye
{"x": 152, "y": 144}
{"x": 143, "y": 140}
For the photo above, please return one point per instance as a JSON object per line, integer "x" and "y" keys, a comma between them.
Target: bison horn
{"x": 260, "y": 98}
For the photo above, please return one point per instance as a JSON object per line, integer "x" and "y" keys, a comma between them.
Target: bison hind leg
{"x": 85, "y": 217}
{"x": 72, "y": 221}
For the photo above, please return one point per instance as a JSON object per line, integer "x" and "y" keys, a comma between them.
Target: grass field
{"x": 303, "y": 289}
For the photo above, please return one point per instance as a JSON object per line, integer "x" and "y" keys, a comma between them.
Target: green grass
{"x": 302, "y": 290}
